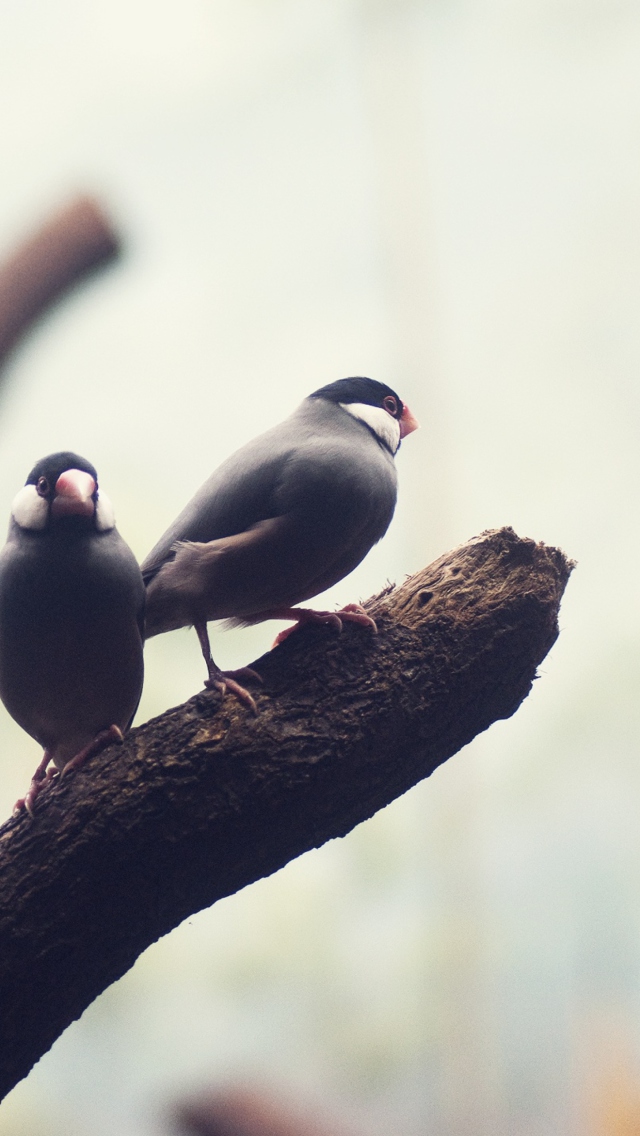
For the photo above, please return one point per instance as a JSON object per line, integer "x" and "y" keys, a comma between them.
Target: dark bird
{"x": 281, "y": 520}
{"x": 71, "y": 618}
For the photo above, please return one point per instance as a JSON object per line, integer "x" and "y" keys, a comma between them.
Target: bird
{"x": 71, "y": 619}
{"x": 281, "y": 520}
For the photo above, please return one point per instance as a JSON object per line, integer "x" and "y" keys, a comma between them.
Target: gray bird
{"x": 284, "y": 518}
{"x": 71, "y": 618}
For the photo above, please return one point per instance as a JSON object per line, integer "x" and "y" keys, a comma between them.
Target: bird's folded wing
{"x": 275, "y": 563}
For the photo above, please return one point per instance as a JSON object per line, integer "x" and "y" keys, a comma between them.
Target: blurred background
{"x": 444, "y": 195}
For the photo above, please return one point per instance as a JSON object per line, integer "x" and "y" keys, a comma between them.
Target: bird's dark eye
{"x": 42, "y": 486}
{"x": 390, "y": 405}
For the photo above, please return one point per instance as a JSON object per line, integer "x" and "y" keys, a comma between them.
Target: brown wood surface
{"x": 207, "y": 798}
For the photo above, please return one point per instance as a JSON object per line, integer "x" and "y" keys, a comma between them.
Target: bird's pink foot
{"x": 355, "y": 613}
{"x": 225, "y": 681}
{"x": 45, "y": 774}
{"x": 40, "y": 778}
{"x": 352, "y": 613}
{"x": 101, "y": 741}
{"x": 303, "y": 615}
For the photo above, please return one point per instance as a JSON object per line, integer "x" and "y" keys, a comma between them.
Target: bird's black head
{"x": 362, "y": 390}
{"x": 62, "y": 489}
{"x": 51, "y": 467}
{"x": 375, "y": 404}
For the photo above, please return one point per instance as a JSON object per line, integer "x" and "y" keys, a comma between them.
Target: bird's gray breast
{"x": 342, "y": 480}
{"x": 70, "y": 633}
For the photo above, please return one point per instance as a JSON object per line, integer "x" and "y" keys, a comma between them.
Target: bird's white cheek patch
{"x": 29, "y": 509}
{"x": 378, "y": 420}
{"x": 105, "y": 518}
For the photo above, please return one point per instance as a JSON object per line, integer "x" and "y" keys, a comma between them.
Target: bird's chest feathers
{"x": 46, "y": 581}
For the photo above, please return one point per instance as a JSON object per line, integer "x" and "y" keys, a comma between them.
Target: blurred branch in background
{"x": 248, "y": 1112}
{"x": 75, "y": 241}
{"x": 207, "y": 798}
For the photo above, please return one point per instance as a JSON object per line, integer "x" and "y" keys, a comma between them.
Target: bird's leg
{"x": 39, "y": 779}
{"x": 352, "y": 613}
{"x": 225, "y": 680}
{"x": 43, "y": 775}
{"x": 100, "y": 742}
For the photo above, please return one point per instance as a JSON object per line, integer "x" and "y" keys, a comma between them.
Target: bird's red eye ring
{"x": 390, "y": 405}
{"x": 42, "y": 487}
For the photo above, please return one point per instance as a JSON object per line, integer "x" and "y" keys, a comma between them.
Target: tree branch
{"x": 239, "y": 1111}
{"x": 206, "y": 798}
{"x": 72, "y": 243}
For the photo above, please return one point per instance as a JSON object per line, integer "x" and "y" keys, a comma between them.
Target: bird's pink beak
{"x": 74, "y": 494}
{"x": 407, "y": 422}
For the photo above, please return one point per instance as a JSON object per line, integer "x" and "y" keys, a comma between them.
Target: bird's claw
{"x": 223, "y": 681}
{"x": 101, "y": 741}
{"x": 38, "y": 782}
{"x": 351, "y": 613}
{"x": 44, "y": 775}
{"x": 327, "y": 618}
{"x": 355, "y": 613}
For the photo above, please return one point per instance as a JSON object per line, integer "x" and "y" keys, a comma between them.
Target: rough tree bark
{"x": 207, "y": 798}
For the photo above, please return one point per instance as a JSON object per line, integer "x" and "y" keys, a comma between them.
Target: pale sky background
{"x": 445, "y": 195}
